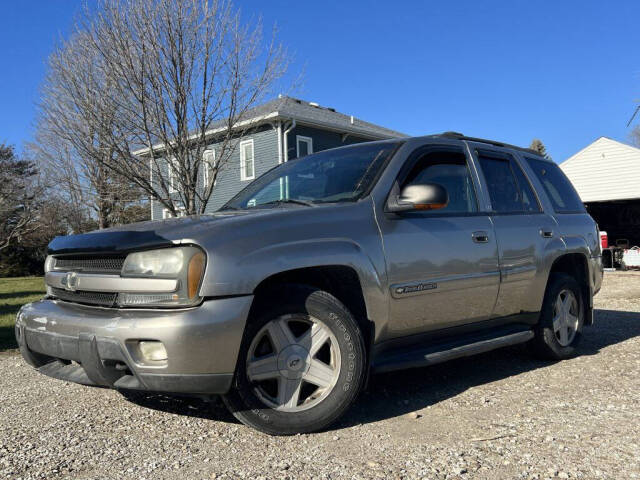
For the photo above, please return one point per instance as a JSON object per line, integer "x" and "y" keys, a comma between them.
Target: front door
{"x": 442, "y": 265}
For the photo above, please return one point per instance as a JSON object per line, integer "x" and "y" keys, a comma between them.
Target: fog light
{"x": 153, "y": 351}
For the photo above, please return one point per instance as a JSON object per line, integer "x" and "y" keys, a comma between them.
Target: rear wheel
{"x": 301, "y": 363}
{"x": 561, "y": 319}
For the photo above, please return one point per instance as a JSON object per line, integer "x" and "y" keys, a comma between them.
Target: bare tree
{"x": 20, "y": 197}
{"x": 71, "y": 141}
{"x": 83, "y": 183}
{"x": 156, "y": 80}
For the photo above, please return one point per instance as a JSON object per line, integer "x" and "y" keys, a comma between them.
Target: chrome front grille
{"x": 102, "y": 264}
{"x": 90, "y": 298}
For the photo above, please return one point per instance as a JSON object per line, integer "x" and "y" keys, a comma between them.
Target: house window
{"x": 247, "y": 166}
{"x": 304, "y": 146}
{"x": 167, "y": 214}
{"x": 208, "y": 164}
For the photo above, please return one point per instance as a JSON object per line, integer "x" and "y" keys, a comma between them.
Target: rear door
{"x": 523, "y": 230}
{"x": 442, "y": 265}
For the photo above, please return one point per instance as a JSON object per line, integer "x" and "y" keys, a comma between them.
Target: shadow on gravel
{"x": 208, "y": 408}
{"x": 398, "y": 393}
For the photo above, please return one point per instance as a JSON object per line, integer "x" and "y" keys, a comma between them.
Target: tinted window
{"x": 528, "y": 197}
{"x": 503, "y": 188}
{"x": 557, "y": 186}
{"x": 450, "y": 170}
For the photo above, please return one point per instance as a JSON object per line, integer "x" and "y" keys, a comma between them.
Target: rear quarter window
{"x": 559, "y": 189}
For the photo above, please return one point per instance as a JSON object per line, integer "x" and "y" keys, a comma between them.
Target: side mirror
{"x": 426, "y": 196}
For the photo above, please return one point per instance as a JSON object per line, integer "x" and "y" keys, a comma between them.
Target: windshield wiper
{"x": 289, "y": 200}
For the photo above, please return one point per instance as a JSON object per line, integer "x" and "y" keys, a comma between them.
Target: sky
{"x": 566, "y": 72}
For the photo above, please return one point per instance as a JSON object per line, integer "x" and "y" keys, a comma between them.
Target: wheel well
{"x": 340, "y": 281}
{"x": 575, "y": 265}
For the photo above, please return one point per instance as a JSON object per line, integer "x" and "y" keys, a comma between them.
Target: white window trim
{"x": 307, "y": 140}
{"x": 206, "y": 163}
{"x": 243, "y": 145}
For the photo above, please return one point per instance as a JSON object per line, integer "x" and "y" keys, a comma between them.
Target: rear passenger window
{"x": 559, "y": 189}
{"x": 450, "y": 170}
{"x": 529, "y": 200}
{"x": 509, "y": 189}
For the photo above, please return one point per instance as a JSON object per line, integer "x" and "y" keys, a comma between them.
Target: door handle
{"x": 480, "y": 237}
{"x": 546, "y": 233}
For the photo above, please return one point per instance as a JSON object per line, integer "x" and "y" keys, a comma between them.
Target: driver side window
{"x": 450, "y": 170}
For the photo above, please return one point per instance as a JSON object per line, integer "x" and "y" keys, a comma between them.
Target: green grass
{"x": 15, "y": 292}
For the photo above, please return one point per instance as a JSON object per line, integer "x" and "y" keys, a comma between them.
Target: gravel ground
{"x": 498, "y": 415}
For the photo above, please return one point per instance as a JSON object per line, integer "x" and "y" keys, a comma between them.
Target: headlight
{"x": 154, "y": 263}
{"x": 48, "y": 264}
{"x": 185, "y": 264}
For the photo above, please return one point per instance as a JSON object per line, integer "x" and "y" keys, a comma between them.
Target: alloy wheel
{"x": 293, "y": 363}
{"x": 566, "y": 317}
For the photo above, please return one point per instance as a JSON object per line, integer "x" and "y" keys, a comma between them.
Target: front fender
{"x": 249, "y": 270}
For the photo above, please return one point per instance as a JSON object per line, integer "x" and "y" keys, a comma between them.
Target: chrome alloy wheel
{"x": 293, "y": 363}
{"x": 566, "y": 317}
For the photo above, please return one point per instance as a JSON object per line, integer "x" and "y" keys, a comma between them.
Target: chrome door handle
{"x": 546, "y": 233}
{"x": 480, "y": 237}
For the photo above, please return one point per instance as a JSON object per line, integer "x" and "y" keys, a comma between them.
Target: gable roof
{"x": 310, "y": 113}
{"x": 605, "y": 170}
{"x": 285, "y": 108}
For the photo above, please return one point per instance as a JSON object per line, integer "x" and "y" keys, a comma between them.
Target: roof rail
{"x": 461, "y": 136}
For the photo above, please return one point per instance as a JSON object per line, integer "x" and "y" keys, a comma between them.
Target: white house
{"x": 606, "y": 174}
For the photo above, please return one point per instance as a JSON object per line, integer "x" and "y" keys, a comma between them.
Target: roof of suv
{"x": 460, "y": 136}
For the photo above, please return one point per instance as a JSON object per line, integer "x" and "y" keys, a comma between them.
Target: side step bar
{"x": 442, "y": 353}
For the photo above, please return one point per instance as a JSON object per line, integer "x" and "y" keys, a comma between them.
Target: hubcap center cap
{"x": 293, "y": 361}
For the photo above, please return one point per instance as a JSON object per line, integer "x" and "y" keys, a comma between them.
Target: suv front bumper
{"x": 99, "y": 346}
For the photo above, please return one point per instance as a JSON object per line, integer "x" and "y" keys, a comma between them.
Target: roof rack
{"x": 461, "y": 136}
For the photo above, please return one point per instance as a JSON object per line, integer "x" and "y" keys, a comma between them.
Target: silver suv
{"x": 361, "y": 259}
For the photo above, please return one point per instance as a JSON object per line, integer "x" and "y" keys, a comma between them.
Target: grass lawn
{"x": 15, "y": 292}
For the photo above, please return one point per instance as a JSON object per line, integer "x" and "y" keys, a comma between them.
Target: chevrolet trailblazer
{"x": 365, "y": 258}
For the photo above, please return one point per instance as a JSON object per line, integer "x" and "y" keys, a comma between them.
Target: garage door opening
{"x": 620, "y": 219}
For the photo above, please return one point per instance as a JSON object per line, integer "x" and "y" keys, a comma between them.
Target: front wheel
{"x": 301, "y": 364}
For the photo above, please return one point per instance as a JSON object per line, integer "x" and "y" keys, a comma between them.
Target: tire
{"x": 287, "y": 381}
{"x": 559, "y": 329}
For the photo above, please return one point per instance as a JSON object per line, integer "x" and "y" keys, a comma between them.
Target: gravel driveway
{"x": 498, "y": 415}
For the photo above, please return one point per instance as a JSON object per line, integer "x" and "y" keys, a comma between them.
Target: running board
{"x": 443, "y": 353}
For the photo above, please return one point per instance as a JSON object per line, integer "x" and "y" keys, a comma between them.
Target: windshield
{"x": 339, "y": 175}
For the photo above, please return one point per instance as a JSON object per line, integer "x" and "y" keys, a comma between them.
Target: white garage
{"x": 606, "y": 174}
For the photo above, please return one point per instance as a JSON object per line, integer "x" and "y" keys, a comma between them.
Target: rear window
{"x": 558, "y": 187}
{"x": 509, "y": 189}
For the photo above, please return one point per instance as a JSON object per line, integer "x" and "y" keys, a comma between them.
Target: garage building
{"x": 606, "y": 174}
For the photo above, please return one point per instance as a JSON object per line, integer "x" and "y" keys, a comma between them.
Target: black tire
{"x": 245, "y": 404}
{"x": 546, "y": 343}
